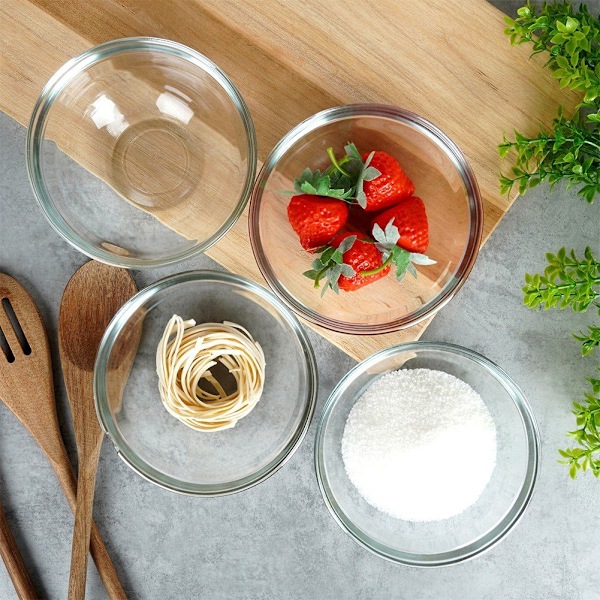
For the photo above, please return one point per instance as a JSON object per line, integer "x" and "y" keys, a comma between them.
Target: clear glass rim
{"x": 491, "y": 537}
{"x": 452, "y": 151}
{"x": 130, "y": 457}
{"x": 63, "y": 77}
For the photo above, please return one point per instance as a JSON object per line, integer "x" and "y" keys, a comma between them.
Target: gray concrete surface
{"x": 278, "y": 540}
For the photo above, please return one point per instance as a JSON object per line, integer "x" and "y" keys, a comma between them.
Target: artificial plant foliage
{"x": 569, "y": 152}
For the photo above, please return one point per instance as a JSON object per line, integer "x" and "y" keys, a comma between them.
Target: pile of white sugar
{"x": 420, "y": 445}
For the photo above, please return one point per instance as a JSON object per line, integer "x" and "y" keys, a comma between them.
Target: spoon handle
{"x": 14, "y": 562}
{"x": 104, "y": 564}
{"x": 86, "y": 482}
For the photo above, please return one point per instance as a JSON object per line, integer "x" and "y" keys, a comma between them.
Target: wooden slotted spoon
{"x": 92, "y": 297}
{"x": 27, "y": 390}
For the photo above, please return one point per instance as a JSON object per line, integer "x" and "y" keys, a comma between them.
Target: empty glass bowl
{"x": 442, "y": 178}
{"x": 141, "y": 152}
{"x": 480, "y": 526}
{"x": 159, "y": 446}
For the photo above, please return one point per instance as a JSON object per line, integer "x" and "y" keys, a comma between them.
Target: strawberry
{"x": 410, "y": 218}
{"x": 362, "y": 256}
{"x": 359, "y": 220}
{"x": 390, "y": 187}
{"x": 348, "y": 263}
{"x": 316, "y": 219}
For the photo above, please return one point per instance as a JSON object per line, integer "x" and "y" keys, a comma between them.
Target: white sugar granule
{"x": 420, "y": 445}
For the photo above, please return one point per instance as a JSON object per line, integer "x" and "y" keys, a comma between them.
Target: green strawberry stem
{"x": 337, "y": 164}
{"x": 377, "y": 269}
{"x": 319, "y": 275}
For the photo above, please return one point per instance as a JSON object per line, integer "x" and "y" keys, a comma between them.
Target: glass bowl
{"x": 479, "y": 527}
{"x": 160, "y": 447}
{"x": 442, "y": 178}
{"x": 141, "y": 152}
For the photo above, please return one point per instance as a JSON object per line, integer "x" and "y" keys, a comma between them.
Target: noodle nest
{"x": 184, "y": 357}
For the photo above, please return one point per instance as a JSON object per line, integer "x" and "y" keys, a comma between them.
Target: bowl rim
{"x": 435, "y": 134}
{"x": 491, "y": 537}
{"x": 63, "y": 77}
{"x": 140, "y": 466}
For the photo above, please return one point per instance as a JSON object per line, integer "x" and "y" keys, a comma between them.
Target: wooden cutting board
{"x": 447, "y": 61}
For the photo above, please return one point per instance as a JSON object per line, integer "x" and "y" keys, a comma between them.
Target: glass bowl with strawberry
{"x": 365, "y": 219}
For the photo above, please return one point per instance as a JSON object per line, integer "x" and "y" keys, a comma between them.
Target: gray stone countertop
{"x": 278, "y": 540}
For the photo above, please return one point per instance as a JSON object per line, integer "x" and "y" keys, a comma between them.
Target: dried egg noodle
{"x": 184, "y": 357}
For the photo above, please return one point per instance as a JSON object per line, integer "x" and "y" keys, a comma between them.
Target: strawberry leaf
{"x": 322, "y": 184}
{"x": 312, "y": 274}
{"x": 386, "y": 239}
{"x": 387, "y": 242}
{"x": 352, "y": 151}
{"x": 401, "y": 260}
{"x": 421, "y": 259}
{"x": 327, "y": 255}
{"x": 367, "y": 173}
{"x": 347, "y": 270}
{"x": 371, "y": 173}
{"x": 346, "y": 244}
{"x": 331, "y": 266}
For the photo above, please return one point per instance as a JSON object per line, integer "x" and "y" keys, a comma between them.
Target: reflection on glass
{"x": 170, "y": 105}
{"x": 105, "y": 113}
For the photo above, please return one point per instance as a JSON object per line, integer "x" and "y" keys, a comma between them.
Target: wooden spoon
{"x": 27, "y": 390}
{"x": 14, "y": 562}
{"x": 92, "y": 297}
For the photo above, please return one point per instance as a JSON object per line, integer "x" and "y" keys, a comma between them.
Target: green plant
{"x": 569, "y": 281}
{"x": 587, "y": 434}
{"x": 566, "y": 281}
{"x": 569, "y": 152}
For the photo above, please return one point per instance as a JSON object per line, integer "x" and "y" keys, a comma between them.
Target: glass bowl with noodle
{"x": 211, "y": 403}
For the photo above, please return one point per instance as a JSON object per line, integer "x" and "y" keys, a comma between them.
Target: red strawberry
{"x": 362, "y": 256}
{"x": 410, "y": 218}
{"x": 390, "y": 187}
{"x": 316, "y": 219}
{"x": 360, "y": 220}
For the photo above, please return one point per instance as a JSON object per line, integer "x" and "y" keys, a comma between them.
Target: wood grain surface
{"x": 447, "y": 61}
{"x": 13, "y": 561}
{"x": 27, "y": 389}
{"x": 81, "y": 324}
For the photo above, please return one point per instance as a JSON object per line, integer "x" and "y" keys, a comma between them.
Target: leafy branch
{"x": 570, "y": 36}
{"x": 566, "y": 281}
{"x": 589, "y": 341}
{"x": 569, "y": 281}
{"x": 571, "y": 150}
{"x": 587, "y": 434}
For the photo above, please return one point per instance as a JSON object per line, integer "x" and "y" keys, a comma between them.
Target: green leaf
{"x": 352, "y": 151}
{"x": 573, "y": 470}
{"x": 561, "y": 27}
{"x": 421, "y": 259}
{"x": 312, "y": 274}
{"x": 346, "y": 244}
{"x": 361, "y": 197}
{"x": 371, "y": 173}
{"x": 571, "y": 24}
{"x": 319, "y": 184}
{"x": 401, "y": 260}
